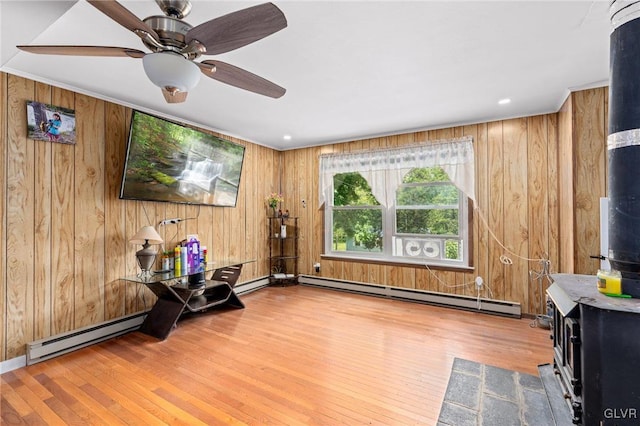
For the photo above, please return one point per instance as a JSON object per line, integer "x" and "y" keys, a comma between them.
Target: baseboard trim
{"x": 490, "y": 306}
{"x": 13, "y": 364}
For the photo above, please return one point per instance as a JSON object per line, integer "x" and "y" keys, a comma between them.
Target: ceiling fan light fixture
{"x": 166, "y": 69}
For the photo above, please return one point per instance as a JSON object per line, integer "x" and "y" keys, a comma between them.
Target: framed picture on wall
{"x": 51, "y": 123}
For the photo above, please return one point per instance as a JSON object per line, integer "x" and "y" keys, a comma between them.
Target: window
{"x": 357, "y": 216}
{"x": 399, "y": 205}
{"x": 430, "y": 217}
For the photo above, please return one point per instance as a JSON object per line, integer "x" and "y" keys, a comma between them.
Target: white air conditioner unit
{"x": 432, "y": 248}
{"x": 419, "y": 248}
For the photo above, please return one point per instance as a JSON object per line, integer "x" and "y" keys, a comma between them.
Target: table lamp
{"x": 146, "y": 256}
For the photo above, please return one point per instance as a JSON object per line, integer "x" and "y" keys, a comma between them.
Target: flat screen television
{"x": 170, "y": 162}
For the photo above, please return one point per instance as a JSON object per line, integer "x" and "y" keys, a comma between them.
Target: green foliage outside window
{"x": 355, "y": 229}
{"x": 427, "y": 205}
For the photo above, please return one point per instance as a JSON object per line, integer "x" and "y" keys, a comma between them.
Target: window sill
{"x": 399, "y": 263}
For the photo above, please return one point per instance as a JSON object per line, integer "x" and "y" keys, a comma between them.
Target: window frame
{"x": 389, "y": 234}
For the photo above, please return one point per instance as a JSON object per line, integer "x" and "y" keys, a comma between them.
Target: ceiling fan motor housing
{"x": 171, "y": 31}
{"x": 176, "y": 8}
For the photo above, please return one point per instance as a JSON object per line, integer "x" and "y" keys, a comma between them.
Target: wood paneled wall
{"x": 582, "y": 177}
{"x": 538, "y": 182}
{"x": 64, "y": 232}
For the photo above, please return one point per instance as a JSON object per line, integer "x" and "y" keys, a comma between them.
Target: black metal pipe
{"x": 624, "y": 144}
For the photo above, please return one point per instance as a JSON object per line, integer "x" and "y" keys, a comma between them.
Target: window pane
{"x": 453, "y": 249}
{"x": 427, "y": 195}
{"x": 357, "y": 230}
{"x": 427, "y": 174}
{"x": 351, "y": 189}
{"x": 434, "y": 221}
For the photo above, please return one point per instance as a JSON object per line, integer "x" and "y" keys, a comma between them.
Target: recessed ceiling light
{"x": 287, "y": 137}
{"x": 504, "y": 101}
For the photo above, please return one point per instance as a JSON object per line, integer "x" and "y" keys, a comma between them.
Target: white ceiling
{"x": 351, "y": 69}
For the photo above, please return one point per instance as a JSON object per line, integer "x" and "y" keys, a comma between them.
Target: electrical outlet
{"x": 316, "y": 267}
{"x": 479, "y": 282}
{"x": 304, "y": 204}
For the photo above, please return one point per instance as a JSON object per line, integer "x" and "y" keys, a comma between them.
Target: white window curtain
{"x": 385, "y": 168}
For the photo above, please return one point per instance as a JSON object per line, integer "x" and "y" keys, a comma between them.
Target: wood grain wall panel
{"x": 42, "y": 231}
{"x": 566, "y": 186}
{"x": 217, "y": 235}
{"x": 4, "y": 128}
{"x": 314, "y": 216}
{"x": 331, "y": 269}
{"x": 89, "y": 208}
{"x": 295, "y": 175}
{"x": 446, "y": 281}
{"x": 20, "y": 220}
{"x": 553, "y": 191}
{"x": 495, "y": 209}
{"x": 377, "y": 274}
{"x": 304, "y": 170}
{"x": 318, "y": 212}
{"x": 468, "y": 278}
{"x": 131, "y": 267}
{"x": 590, "y": 152}
{"x": 62, "y": 226}
{"x": 115, "y": 238}
{"x": 357, "y": 271}
{"x": 204, "y": 226}
{"x": 351, "y": 272}
{"x": 356, "y": 146}
{"x": 480, "y": 231}
{"x": 537, "y": 196}
{"x": 253, "y": 202}
{"x": 516, "y": 229}
{"x": 237, "y": 226}
{"x": 265, "y": 185}
{"x": 423, "y": 279}
{"x": 150, "y": 213}
{"x": 606, "y": 135}
{"x": 309, "y": 238}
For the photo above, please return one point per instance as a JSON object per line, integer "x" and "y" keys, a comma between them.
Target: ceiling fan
{"x": 176, "y": 44}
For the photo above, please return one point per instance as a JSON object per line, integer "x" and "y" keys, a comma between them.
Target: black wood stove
{"x": 596, "y": 351}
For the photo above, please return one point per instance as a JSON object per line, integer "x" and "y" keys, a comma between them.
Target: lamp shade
{"x": 146, "y": 235}
{"x": 171, "y": 70}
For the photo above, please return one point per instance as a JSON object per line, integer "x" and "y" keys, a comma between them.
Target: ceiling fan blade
{"x": 84, "y": 51}
{"x": 240, "y": 78}
{"x": 123, "y": 16}
{"x": 238, "y": 29}
{"x": 175, "y": 97}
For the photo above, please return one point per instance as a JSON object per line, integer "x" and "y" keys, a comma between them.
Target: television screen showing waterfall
{"x": 171, "y": 162}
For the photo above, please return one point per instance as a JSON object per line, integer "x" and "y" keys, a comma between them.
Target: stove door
{"x": 572, "y": 353}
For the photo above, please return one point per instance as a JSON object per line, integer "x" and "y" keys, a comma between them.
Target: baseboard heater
{"x": 249, "y": 286}
{"x": 497, "y": 307}
{"x": 41, "y": 350}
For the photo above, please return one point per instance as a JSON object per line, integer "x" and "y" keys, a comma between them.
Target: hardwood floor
{"x": 295, "y": 356}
